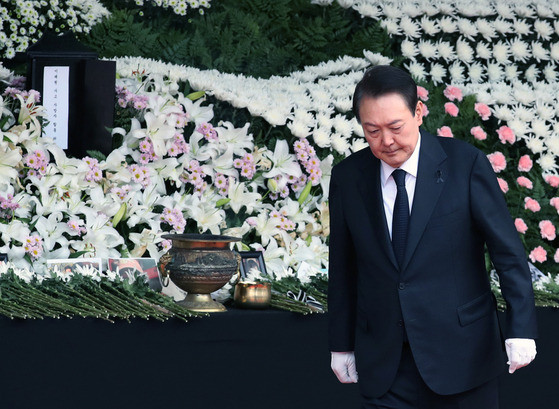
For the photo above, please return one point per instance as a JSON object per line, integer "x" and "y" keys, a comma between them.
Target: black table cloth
{"x": 237, "y": 359}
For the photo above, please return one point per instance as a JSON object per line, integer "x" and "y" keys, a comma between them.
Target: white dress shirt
{"x": 388, "y": 185}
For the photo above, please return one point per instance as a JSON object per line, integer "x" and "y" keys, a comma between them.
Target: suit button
{"x": 400, "y": 323}
{"x": 401, "y": 286}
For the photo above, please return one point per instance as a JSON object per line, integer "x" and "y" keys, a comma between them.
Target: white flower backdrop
{"x": 181, "y": 168}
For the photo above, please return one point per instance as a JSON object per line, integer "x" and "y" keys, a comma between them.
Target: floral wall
{"x": 487, "y": 73}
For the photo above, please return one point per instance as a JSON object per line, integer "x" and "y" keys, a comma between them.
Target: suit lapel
{"x": 431, "y": 177}
{"x": 371, "y": 193}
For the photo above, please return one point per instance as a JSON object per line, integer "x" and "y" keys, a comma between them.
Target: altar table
{"x": 237, "y": 359}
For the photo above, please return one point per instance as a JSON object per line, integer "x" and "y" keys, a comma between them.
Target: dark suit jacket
{"x": 442, "y": 293}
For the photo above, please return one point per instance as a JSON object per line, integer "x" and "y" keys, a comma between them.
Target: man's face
{"x": 390, "y": 128}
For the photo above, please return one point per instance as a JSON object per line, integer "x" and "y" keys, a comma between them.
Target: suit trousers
{"x": 409, "y": 391}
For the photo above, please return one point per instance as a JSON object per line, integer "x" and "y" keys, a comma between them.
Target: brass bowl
{"x": 253, "y": 295}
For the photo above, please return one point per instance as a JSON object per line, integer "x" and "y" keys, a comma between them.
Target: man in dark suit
{"x": 410, "y": 304}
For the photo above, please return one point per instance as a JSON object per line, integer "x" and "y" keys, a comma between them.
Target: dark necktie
{"x": 400, "y": 216}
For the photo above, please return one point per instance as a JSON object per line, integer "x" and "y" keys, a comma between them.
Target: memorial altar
{"x": 238, "y": 359}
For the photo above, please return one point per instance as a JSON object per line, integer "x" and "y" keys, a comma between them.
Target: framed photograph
{"x": 250, "y": 260}
{"x": 129, "y": 267}
{"x": 73, "y": 265}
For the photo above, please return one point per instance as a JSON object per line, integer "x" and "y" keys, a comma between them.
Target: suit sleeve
{"x": 506, "y": 251}
{"x": 342, "y": 272}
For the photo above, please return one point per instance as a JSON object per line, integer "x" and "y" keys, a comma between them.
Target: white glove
{"x": 343, "y": 365}
{"x": 520, "y": 351}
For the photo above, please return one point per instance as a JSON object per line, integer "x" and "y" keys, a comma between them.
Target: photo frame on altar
{"x": 250, "y": 260}
{"x": 73, "y": 265}
{"x": 142, "y": 266}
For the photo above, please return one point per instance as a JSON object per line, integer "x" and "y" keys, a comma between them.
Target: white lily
{"x": 158, "y": 131}
{"x": 283, "y": 161}
{"x": 240, "y": 196}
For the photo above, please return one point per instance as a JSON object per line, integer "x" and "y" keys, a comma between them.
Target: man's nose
{"x": 387, "y": 138}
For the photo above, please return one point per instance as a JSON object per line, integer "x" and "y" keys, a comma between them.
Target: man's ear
{"x": 419, "y": 112}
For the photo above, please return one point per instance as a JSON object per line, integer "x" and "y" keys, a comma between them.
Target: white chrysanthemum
{"x": 391, "y": 26}
{"x": 554, "y": 52}
{"x": 368, "y": 10}
{"x": 409, "y": 27}
{"x": 494, "y": 72}
{"x": 447, "y": 24}
{"x": 446, "y": 51}
{"x": 550, "y": 73}
{"x": 467, "y": 28}
{"x": 345, "y": 3}
{"x": 430, "y": 27}
{"x": 532, "y": 73}
{"x": 485, "y": 28}
{"x": 437, "y": 73}
{"x": 520, "y": 128}
{"x": 339, "y": 143}
{"x": 540, "y": 127}
{"x": 556, "y": 22}
{"x": 427, "y": 49}
{"x": 357, "y": 128}
{"x": 521, "y": 27}
{"x": 456, "y": 71}
{"x": 501, "y": 52}
{"x": 524, "y": 95}
{"x": 539, "y": 52}
{"x": 552, "y": 143}
{"x": 410, "y": 9}
{"x": 524, "y": 11}
{"x": 544, "y": 111}
{"x": 324, "y": 120}
{"x": 502, "y": 26}
{"x": 502, "y": 112}
{"x": 535, "y": 144}
{"x": 519, "y": 50}
{"x": 416, "y": 70}
{"x": 544, "y": 11}
{"x": 391, "y": 11}
{"x": 376, "y": 58}
{"x": 321, "y": 137}
{"x": 523, "y": 113}
{"x": 547, "y": 162}
{"x": 299, "y": 129}
{"x": 358, "y": 143}
{"x": 464, "y": 51}
{"x": 409, "y": 49}
{"x": 543, "y": 29}
{"x": 511, "y": 72}
{"x": 446, "y": 8}
{"x": 476, "y": 73}
{"x": 342, "y": 126}
{"x": 483, "y": 51}
{"x": 430, "y": 9}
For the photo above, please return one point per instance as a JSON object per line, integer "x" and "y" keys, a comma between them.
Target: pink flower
{"x": 506, "y": 134}
{"x": 547, "y": 230}
{"x": 552, "y": 180}
{"x": 525, "y": 163}
{"x": 425, "y": 110}
{"x": 538, "y": 254}
{"x": 555, "y": 203}
{"x": 451, "y": 109}
{"x": 531, "y": 204}
{"x": 478, "y": 133}
{"x": 483, "y": 110}
{"x": 556, "y": 257}
{"x": 525, "y": 182}
{"x": 521, "y": 227}
{"x": 503, "y": 185}
{"x": 498, "y": 161}
{"x": 453, "y": 93}
{"x": 422, "y": 93}
{"x": 445, "y": 131}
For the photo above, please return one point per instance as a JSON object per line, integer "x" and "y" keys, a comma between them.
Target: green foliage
{"x": 260, "y": 38}
{"x": 121, "y": 35}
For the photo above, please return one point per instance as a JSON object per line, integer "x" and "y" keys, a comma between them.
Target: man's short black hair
{"x": 381, "y": 80}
